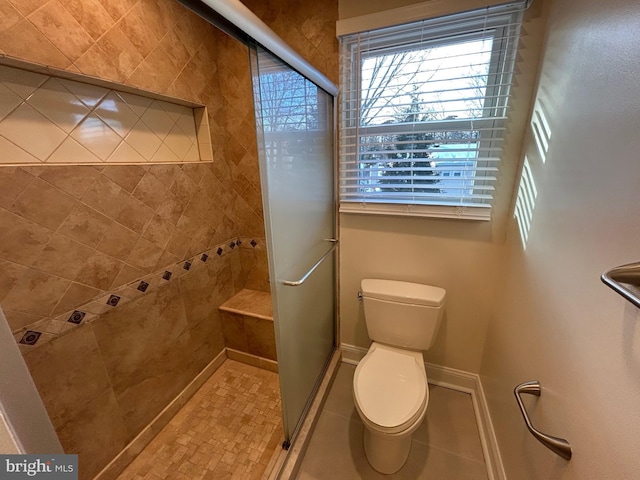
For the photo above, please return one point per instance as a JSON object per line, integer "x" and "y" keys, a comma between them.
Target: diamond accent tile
{"x": 76, "y": 317}
{"x": 113, "y": 300}
{"x": 219, "y": 251}
{"x": 187, "y": 265}
{"x": 142, "y": 286}
{"x": 166, "y": 275}
{"x": 30, "y": 337}
{"x": 254, "y": 243}
{"x": 204, "y": 257}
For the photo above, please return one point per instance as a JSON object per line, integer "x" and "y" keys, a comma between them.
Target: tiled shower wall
{"x": 70, "y": 235}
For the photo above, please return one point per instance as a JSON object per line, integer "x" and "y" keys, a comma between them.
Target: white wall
{"x": 464, "y": 257}
{"x": 556, "y": 322}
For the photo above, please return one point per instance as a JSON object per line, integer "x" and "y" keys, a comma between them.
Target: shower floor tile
{"x": 229, "y": 429}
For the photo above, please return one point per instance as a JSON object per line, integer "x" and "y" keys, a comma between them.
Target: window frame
{"x": 494, "y": 119}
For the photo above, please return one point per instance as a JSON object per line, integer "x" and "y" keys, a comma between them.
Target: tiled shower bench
{"x": 247, "y": 324}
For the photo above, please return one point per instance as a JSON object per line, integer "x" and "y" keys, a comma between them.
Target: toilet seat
{"x": 390, "y": 388}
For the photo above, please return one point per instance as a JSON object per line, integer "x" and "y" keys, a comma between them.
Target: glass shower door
{"x": 294, "y": 120}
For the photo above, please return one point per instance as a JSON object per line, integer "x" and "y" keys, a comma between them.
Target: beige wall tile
{"x": 135, "y": 28}
{"x": 21, "y": 240}
{"x": 74, "y": 180}
{"x": 12, "y": 183}
{"x": 235, "y": 335}
{"x": 86, "y": 225}
{"x": 44, "y": 204}
{"x": 150, "y": 191}
{"x": 63, "y": 257}
{"x": 23, "y": 40}
{"x": 118, "y": 241}
{"x": 144, "y": 255}
{"x": 76, "y": 294}
{"x": 99, "y": 271}
{"x": 158, "y": 318}
{"x": 134, "y": 215}
{"x": 91, "y": 15}
{"x": 260, "y": 337}
{"x": 9, "y": 274}
{"x": 125, "y": 176}
{"x": 84, "y": 412}
{"x": 105, "y": 196}
{"x": 59, "y": 26}
{"x": 36, "y": 292}
{"x": 117, "y": 46}
{"x": 9, "y": 16}
{"x": 159, "y": 232}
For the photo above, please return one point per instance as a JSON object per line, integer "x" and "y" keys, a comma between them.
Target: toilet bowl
{"x": 390, "y": 383}
{"x": 391, "y": 397}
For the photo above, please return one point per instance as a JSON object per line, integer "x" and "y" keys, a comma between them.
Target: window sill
{"x": 407, "y": 210}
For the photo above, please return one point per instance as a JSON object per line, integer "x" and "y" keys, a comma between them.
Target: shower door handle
{"x": 559, "y": 446}
{"x": 297, "y": 283}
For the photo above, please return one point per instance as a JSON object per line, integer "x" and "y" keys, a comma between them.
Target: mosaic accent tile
{"x": 220, "y": 251}
{"x": 113, "y": 300}
{"x": 93, "y": 309}
{"x": 232, "y": 245}
{"x": 76, "y": 317}
{"x": 254, "y": 243}
{"x": 30, "y": 337}
{"x": 187, "y": 265}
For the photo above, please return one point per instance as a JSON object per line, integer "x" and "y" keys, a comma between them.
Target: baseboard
{"x": 133, "y": 449}
{"x": 464, "y": 382}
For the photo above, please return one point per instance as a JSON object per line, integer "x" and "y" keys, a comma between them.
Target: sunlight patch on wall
{"x": 541, "y": 130}
{"x": 525, "y": 202}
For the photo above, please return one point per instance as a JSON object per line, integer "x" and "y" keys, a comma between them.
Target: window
{"x": 423, "y": 114}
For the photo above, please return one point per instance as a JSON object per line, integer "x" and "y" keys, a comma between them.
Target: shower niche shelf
{"x": 54, "y": 117}
{"x": 625, "y": 280}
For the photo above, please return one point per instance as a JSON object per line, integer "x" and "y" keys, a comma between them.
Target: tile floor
{"x": 446, "y": 445}
{"x": 228, "y": 430}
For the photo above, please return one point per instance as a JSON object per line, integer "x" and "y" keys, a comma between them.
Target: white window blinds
{"x": 423, "y": 114}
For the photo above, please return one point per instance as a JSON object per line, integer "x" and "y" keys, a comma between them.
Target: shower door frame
{"x": 291, "y": 431}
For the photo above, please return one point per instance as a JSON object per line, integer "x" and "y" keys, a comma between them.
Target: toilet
{"x": 390, "y": 383}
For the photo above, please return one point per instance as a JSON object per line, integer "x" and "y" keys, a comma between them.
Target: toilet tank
{"x": 402, "y": 314}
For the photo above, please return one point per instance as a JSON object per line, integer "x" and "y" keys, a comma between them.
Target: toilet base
{"x": 386, "y": 453}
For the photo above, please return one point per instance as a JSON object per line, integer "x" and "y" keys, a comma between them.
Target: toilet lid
{"x": 390, "y": 386}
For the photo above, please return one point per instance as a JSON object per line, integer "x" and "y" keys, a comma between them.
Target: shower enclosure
{"x": 294, "y": 121}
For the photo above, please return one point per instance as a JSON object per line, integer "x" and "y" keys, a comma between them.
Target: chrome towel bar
{"x": 557, "y": 445}
{"x": 317, "y": 264}
{"x": 629, "y": 275}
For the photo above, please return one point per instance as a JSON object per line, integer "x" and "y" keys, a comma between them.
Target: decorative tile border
{"x": 43, "y": 331}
